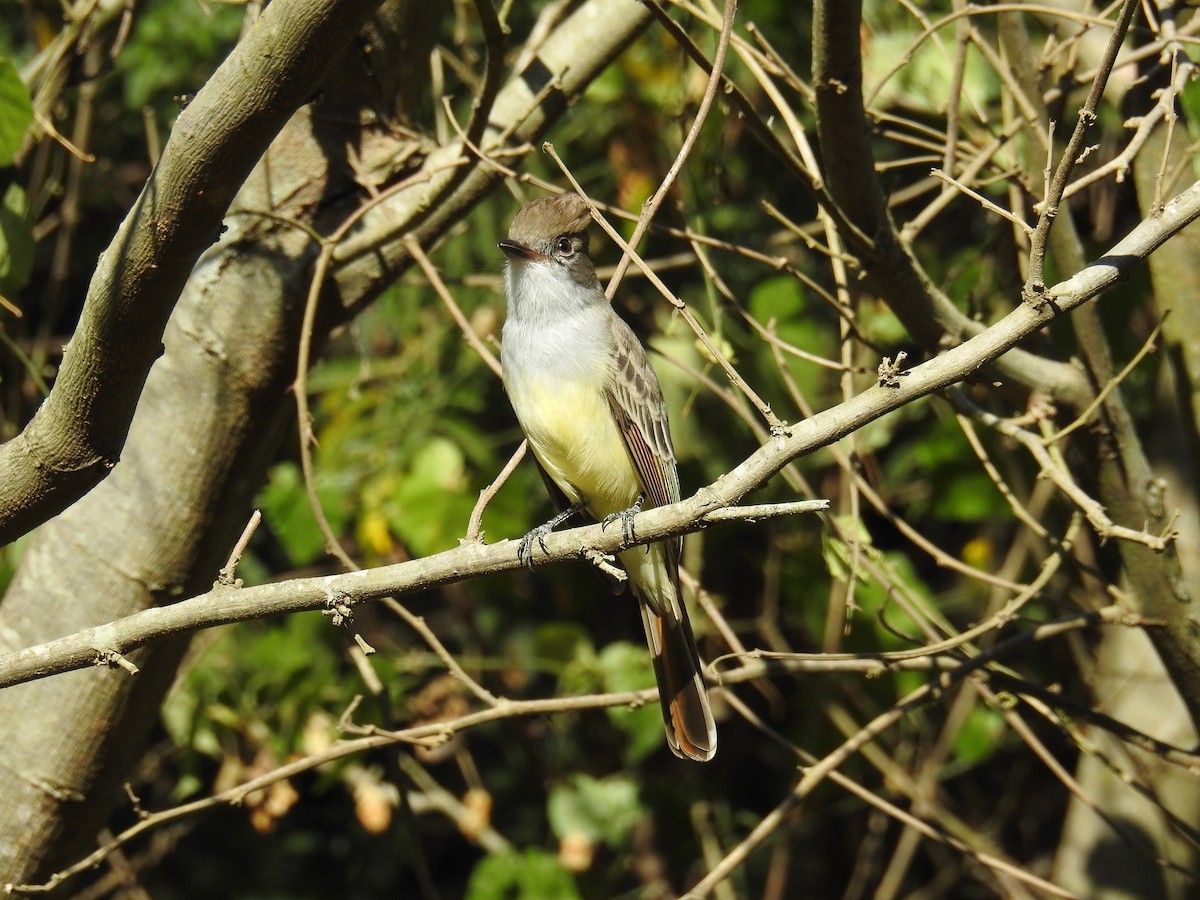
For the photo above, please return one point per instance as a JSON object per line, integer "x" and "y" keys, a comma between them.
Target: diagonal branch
{"x": 1034, "y": 284}
{"x": 77, "y": 436}
{"x": 223, "y": 605}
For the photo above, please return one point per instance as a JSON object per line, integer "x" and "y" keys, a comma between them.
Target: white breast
{"x": 555, "y": 375}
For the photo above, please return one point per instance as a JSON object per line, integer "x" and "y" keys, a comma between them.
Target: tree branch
{"x": 223, "y": 605}
{"x": 849, "y": 166}
{"x": 77, "y": 436}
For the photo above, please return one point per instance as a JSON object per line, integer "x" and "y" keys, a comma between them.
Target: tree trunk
{"x": 160, "y": 526}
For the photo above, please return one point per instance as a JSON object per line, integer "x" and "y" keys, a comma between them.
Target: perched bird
{"x": 592, "y": 409}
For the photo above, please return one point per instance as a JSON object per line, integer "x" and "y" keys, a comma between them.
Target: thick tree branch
{"x": 77, "y": 436}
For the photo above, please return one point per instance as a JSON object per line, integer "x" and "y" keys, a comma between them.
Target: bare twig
{"x": 228, "y": 573}
{"x": 439, "y": 286}
{"x": 984, "y": 201}
{"x": 1148, "y": 346}
{"x": 1183, "y": 70}
{"x": 827, "y": 767}
{"x": 651, "y": 206}
{"x": 1060, "y": 475}
{"x": 1057, "y": 186}
{"x": 417, "y": 624}
{"x": 475, "y": 523}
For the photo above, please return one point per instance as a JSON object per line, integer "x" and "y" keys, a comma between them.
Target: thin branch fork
{"x": 1054, "y": 469}
{"x": 1057, "y": 186}
{"x": 1163, "y": 110}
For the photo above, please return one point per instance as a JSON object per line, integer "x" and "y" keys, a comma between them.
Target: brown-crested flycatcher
{"x": 590, "y": 404}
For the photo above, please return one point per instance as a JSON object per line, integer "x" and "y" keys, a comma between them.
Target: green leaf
{"x": 603, "y": 809}
{"x": 16, "y": 112}
{"x": 979, "y": 738}
{"x": 1189, "y": 99}
{"x": 562, "y": 643}
{"x": 285, "y": 506}
{"x": 16, "y": 241}
{"x": 921, "y": 83}
{"x": 530, "y": 875}
{"x": 968, "y": 497}
{"x": 626, "y": 667}
{"x": 881, "y": 325}
{"x": 780, "y": 298}
{"x": 432, "y": 508}
{"x": 173, "y": 49}
{"x": 838, "y": 555}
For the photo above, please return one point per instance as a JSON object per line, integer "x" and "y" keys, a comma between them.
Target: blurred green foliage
{"x": 410, "y": 425}
{"x": 521, "y": 876}
{"x": 16, "y": 111}
{"x": 172, "y": 50}
{"x": 16, "y": 232}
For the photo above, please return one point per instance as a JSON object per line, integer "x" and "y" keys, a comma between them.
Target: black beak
{"x": 516, "y": 251}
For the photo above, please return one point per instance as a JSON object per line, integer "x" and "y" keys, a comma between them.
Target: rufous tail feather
{"x": 691, "y": 731}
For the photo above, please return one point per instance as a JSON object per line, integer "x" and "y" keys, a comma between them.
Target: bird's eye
{"x": 564, "y": 246}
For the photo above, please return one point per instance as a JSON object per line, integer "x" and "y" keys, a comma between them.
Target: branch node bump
{"x": 605, "y": 562}
{"x": 1035, "y": 294}
{"x": 115, "y": 660}
{"x": 890, "y": 372}
{"x": 338, "y": 608}
{"x": 363, "y": 645}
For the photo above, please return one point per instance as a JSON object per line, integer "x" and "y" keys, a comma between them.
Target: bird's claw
{"x": 525, "y": 550}
{"x": 626, "y": 517}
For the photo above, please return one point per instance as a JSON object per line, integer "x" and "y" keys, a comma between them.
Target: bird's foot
{"x": 626, "y": 518}
{"x": 538, "y": 535}
{"x": 525, "y": 550}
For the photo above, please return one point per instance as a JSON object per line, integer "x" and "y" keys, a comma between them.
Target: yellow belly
{"x": 572, "y": 433}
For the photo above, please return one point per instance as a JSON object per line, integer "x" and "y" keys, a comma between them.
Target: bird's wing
{"x": 636, "y": 400}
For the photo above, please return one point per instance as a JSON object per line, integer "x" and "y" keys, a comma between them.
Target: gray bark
{"x": 159, "y": 528}
{"x": 78, "y": 434}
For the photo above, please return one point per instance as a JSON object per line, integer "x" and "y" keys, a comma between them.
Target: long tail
{"x": 691, "y": 732}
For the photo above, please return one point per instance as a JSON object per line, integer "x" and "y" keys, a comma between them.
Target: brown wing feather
{"x": 636, "y": 400}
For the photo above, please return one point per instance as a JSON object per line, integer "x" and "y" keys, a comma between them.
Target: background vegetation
{"x": 958, "y": 649}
